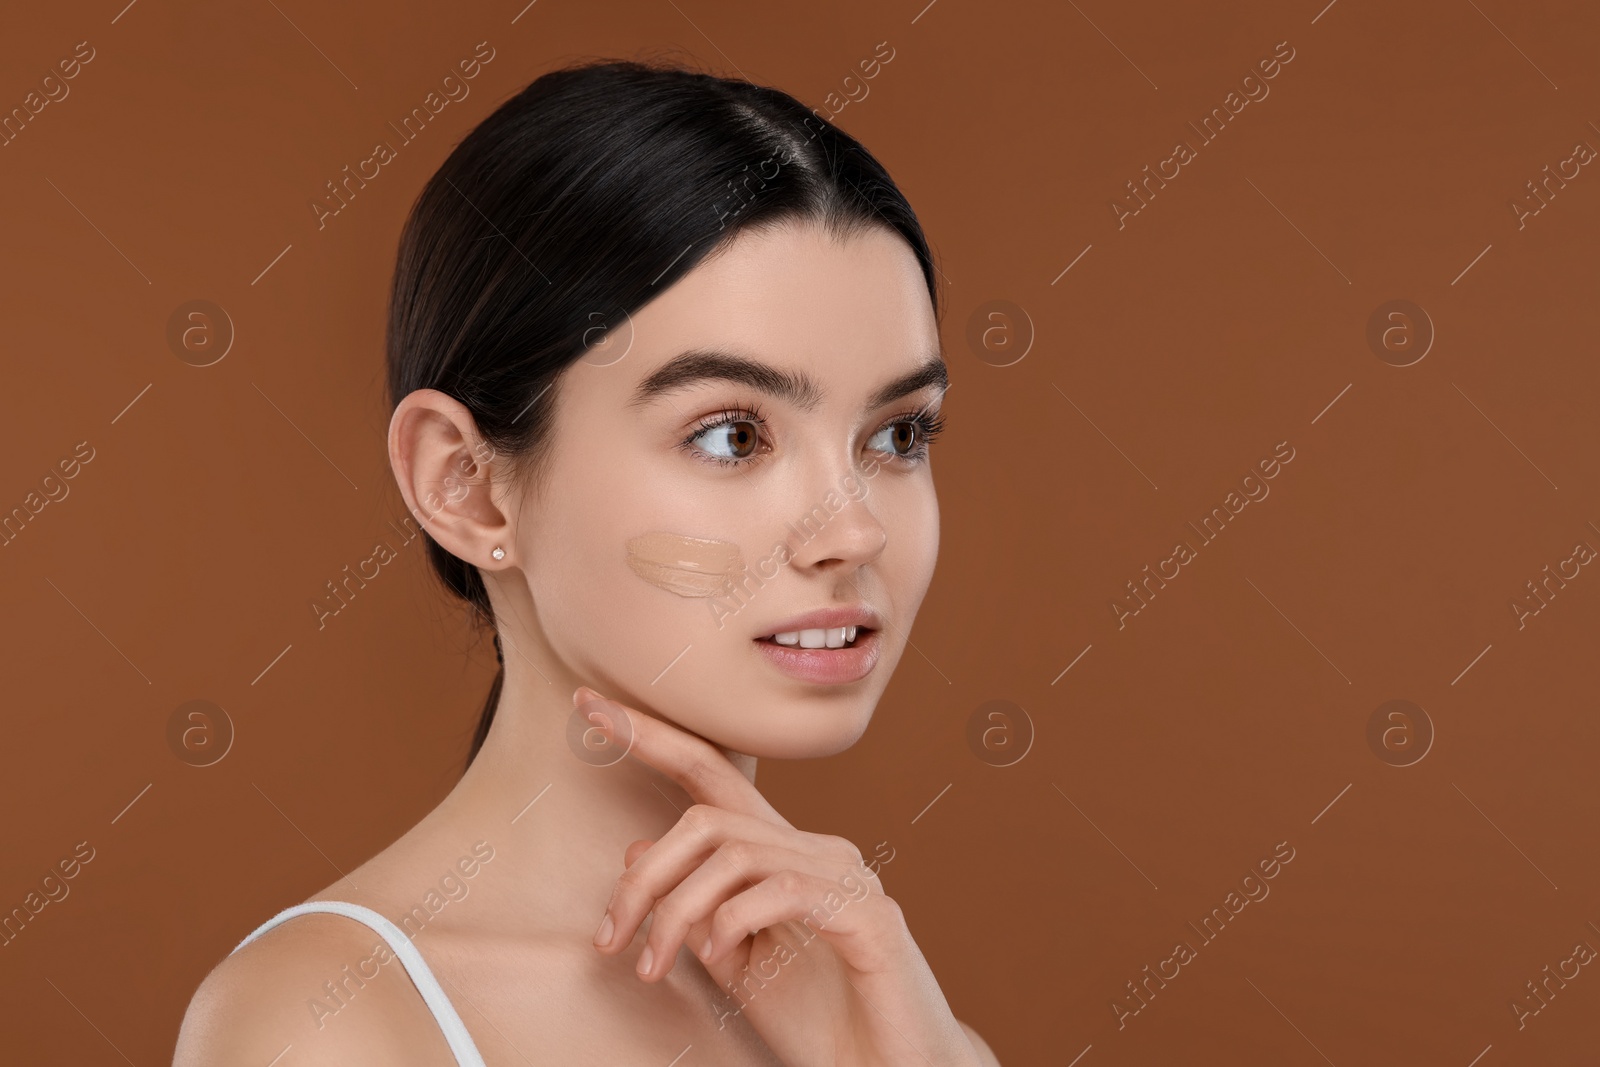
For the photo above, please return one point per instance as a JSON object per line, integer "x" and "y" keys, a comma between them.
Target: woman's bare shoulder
{"x": 986, "y": 1054}
{"x": 323, "y": 985}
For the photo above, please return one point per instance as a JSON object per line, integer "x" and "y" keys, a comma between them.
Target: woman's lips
{"x": 825, "y": 666}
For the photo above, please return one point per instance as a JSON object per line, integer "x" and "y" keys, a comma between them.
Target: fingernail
{"x": 644, "y": 960}
{"x": 705, "y": 949}
{"x": 602, "y": 936}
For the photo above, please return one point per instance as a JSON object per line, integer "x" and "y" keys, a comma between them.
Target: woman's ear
{"x": 447, "y": 475}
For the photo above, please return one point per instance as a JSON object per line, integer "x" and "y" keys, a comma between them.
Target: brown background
{"x": 1228, "y": 315}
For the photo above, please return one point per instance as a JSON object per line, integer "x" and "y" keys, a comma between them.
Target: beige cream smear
{"x": 687, "y": 566}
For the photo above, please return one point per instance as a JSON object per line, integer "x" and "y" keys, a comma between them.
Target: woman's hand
{"x": 796, "y": 930}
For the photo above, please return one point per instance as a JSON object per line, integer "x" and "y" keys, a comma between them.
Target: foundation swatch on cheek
{"x": 688, "y": 566}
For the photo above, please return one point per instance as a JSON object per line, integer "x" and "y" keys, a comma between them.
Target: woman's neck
{"x": 558, "y": 816}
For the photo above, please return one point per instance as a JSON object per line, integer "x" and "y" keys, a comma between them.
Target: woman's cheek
{"x": 631, "y": 628}
{"x": 585, "y": 602}
{"x": 913, "y": 541}
{"x": 930, "y": 538}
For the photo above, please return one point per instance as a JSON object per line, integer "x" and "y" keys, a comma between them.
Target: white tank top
{"x": 455, "y": 1032}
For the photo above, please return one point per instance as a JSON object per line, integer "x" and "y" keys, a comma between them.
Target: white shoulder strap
{"x": 455, "y": 1032}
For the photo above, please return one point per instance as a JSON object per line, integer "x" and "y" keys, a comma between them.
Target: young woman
{"x": 665, "y": 364}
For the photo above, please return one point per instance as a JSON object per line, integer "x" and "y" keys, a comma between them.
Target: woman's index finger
{"x": 695, "y": 764}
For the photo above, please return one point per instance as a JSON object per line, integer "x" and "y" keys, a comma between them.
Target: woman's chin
{"x": 795, "y": 740}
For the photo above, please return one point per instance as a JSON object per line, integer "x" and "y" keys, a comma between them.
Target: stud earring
{"x": 498, "y": 553}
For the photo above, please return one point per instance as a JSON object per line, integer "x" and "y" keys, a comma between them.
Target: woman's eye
{"x": 897, "y": 438}
{"x": 730, "y": 440}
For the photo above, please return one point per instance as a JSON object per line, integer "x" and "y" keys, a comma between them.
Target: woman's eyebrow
{"x": 710, "y": 364}
{"x": 798, "y": 388}
{"x": 932, "y": 372}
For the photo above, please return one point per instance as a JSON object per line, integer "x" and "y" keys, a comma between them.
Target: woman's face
{"x": 695, "y": 506}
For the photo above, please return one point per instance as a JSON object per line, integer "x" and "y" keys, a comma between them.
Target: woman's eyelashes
{"x": 737, "y": 436}
{"x": 908, "y": 435}
{"x": 729, "y": 437}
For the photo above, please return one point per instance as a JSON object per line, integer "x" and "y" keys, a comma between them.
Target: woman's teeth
{"x": 838, "y": 637}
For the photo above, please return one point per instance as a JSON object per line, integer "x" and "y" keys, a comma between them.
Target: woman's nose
{"x": 841, "y": 528}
